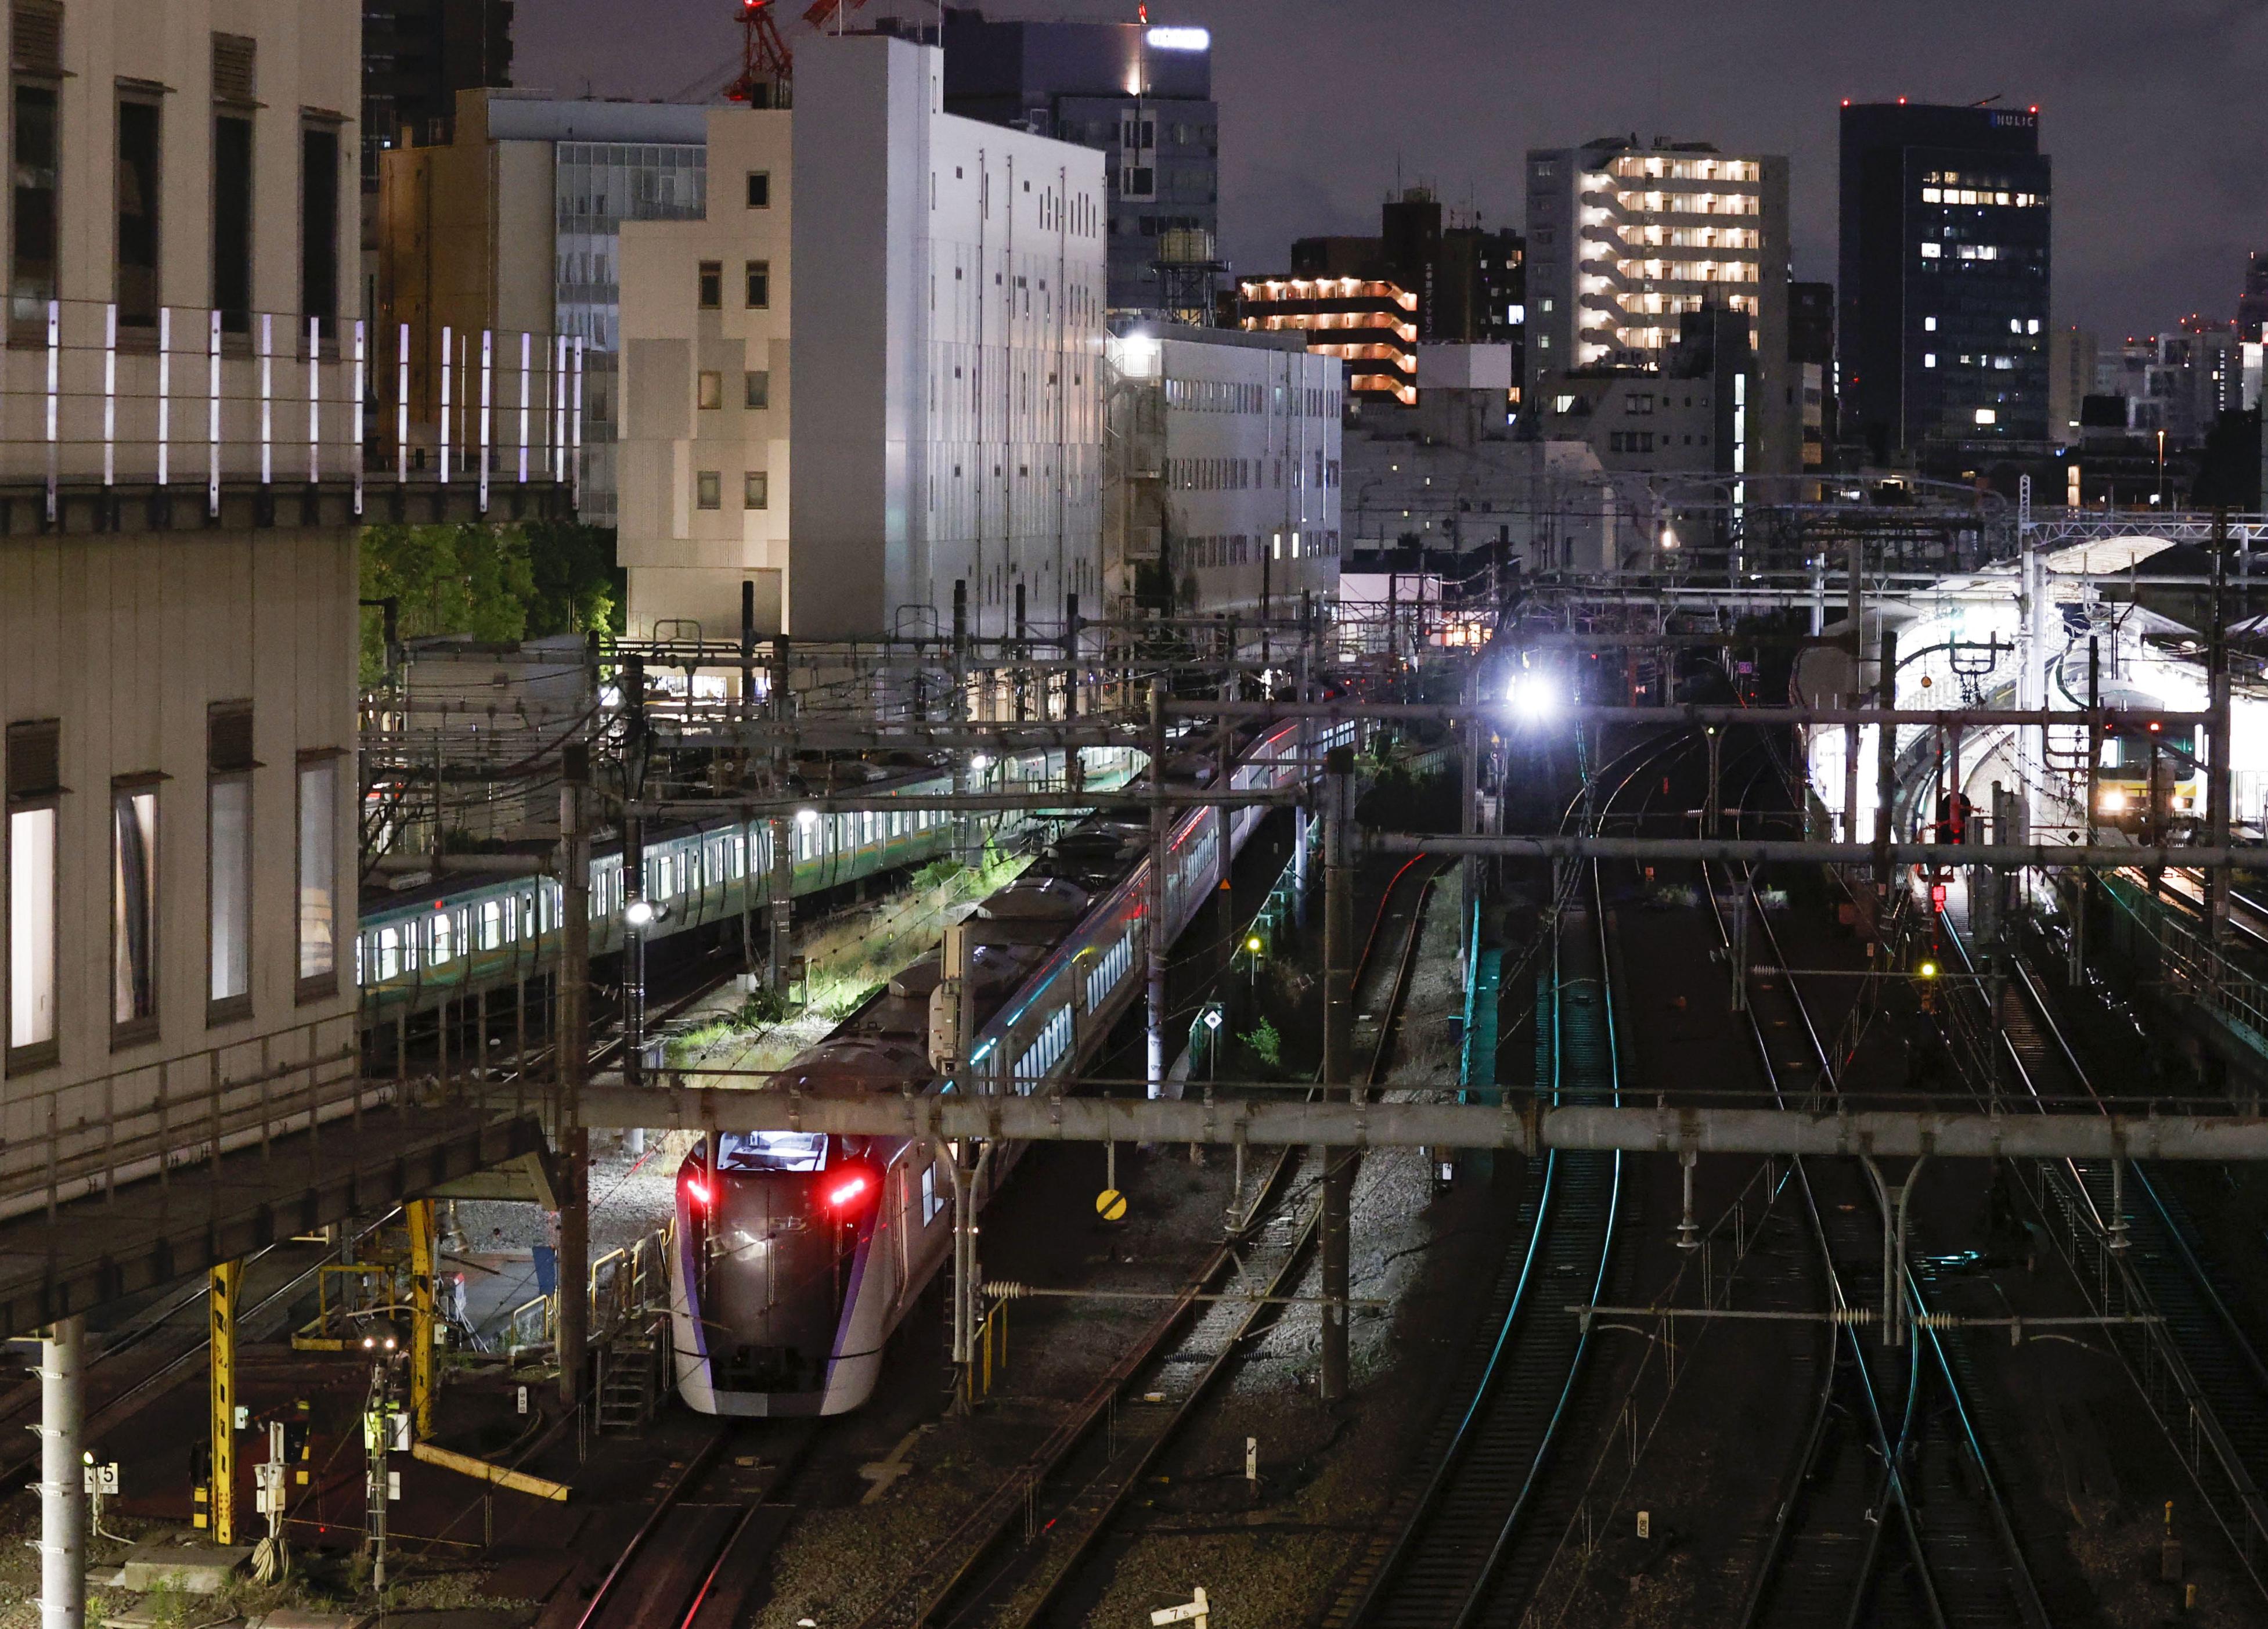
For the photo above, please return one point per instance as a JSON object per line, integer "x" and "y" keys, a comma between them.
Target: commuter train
{"x": 2124, "y": 777}
{"x": 796, "y": 1254}
{"x": 441, "y": 944}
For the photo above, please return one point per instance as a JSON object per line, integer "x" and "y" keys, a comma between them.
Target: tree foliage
{"x": 495, "y": 584}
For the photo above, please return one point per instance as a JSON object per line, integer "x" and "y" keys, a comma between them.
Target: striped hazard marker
{"x": 1110, "y": 1205}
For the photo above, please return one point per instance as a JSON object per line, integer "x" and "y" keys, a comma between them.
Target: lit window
{"x": 228, "y": 861}
{"x": 134, "y": 911}
{"x": 1929, "y": 358}
{"x": 709, "y": 489}
{"x": 318, "y": 876}
{"x": 1987, "y": 415}
{"x": 34, "y": 786}
{"x": 1931, "y": 251}
{"x": 1929, "y": 325}
{"x": 756, "y": 490}
{"x": 2032, "y": 325}
{"x": 711, "y": 390}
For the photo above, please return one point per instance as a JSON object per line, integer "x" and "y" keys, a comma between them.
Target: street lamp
{"x": 2162, "y": 465}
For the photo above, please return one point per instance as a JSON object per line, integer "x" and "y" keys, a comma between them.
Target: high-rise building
{"x": 2071, "y": 380}
{"x": 512, "y": 221}
{"x": 1943, "y": 283}
{"x": 417, "y": 55}
{"x": 1141, "y": 94}
{"x": 934, "y": 376}
{"x": 1623, "y": 240}
{"x": 1471, "y": 282}
{"x": 2252, "y": 305}
{"x": 1369, "y": 324}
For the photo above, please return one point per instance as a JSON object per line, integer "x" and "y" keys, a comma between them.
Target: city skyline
{"x": 2145, "y": 114}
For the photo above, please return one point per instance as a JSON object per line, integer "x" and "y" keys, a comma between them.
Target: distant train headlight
{"x": 2112, "y": 801}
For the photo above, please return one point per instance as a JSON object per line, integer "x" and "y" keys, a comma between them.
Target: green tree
{"x": 496, "y": 584}
{"x": 579, "y": 588}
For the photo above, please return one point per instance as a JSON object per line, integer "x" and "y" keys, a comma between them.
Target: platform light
{"x": 978, "y": 763}
{"x": 806, "y": 818}
{"x": 1668, "y": 536}
{"x": 641, "y": 913}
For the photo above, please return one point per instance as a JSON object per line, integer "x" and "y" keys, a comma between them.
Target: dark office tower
{"x": 417, "y": 55}
{"x": 1142, "y": 93}
{"x": 1944, "y": 278}
{"x": 2252, "y": 305}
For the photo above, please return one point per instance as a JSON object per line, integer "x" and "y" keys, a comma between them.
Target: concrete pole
{"x": 1886, "y": 756}
{"x": 574, "y": 1056}
{"x": 1338, "y": 1059}
{"x": 1855, "y": 614}
{"x": 63, "y": 1498}
{"x": 1157, "y": 937}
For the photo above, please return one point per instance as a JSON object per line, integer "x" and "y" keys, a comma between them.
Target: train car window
{"x": 932, "y": 1205}
{"x": 389, "y": 952}
{"x": 491, "y": 924}
{"x": 772, "y": 1151}
{"x": 444, "y": 941}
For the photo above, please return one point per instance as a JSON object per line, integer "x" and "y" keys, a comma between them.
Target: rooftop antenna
{"x": 767, "y": 66}
{"x": 1988, "y": 101}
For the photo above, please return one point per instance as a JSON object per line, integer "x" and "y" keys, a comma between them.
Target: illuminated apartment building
{"x": 1368, "y": 324}
{"x": 1623, "y": 240}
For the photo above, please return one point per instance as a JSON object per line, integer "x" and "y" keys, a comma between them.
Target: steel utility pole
{"x": 1156, "y": 937}
{"x": 573, "y": 1052}
{"x": 2217, "y": 783}
{"x": 780, "y": 891}
{"x": 1338, "y": 1060}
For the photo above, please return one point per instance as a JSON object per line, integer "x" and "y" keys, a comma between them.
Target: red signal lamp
{"x": 1937, "y": 895}
{"x": 699, "y": 1192}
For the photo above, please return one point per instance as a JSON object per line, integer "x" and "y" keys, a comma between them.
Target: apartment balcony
{"x": 198, "y": 417}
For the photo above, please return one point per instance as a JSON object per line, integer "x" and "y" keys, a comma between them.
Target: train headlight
{"x": 2113, "y": 801}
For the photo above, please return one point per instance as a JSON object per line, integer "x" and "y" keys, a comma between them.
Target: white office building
{"x": 907, "y": 307}
{"x": 1226, "y": 471}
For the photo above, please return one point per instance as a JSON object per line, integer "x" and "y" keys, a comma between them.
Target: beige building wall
{"x": 120, "y": 628}
{"x": 686, "y": 562}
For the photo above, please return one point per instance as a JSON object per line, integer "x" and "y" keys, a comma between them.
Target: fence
{"x": 195, "y": 396}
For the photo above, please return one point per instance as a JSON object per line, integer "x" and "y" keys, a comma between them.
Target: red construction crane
{"x": 766, "y": 64}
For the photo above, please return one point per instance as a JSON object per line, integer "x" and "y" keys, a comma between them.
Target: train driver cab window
{"x": 772, "y": 1151}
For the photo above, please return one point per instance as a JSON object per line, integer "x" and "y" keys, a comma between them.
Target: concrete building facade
{"x": 177, "y": 650}
{"x": 940, "y": 363}
{"x": 1624, "y": 240}
{"x": 1139, "y": 94}
{"x": 513, "y": 223}
{"x": 1227, "y": 469}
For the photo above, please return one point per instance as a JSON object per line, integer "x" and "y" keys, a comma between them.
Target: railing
{"x": 2192, "y": 962}
{"x": 71, "y": 1138}
{"x": 197, "y": 397}
{"x": 624, "y": 1285}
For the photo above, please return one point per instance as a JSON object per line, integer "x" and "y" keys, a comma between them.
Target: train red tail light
{"x": 699, "y": 1192}
{"x": 848, "y": 1191}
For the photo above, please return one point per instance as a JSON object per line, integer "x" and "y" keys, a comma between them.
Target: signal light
{"x": 1937, "y": 895}
{"x": 1928, "y": 970}
{"x": 848, "y": 1191}
{"x": 1252, "y": 945}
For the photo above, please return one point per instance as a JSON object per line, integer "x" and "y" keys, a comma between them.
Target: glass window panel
{"x": 134, "y": 907}
{"x": 319, "y": 848}
{"x": 229, "y": 862}
{"x": 31, "y": 928}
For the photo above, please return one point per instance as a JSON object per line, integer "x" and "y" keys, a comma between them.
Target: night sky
{"x": 2153, "y": 114}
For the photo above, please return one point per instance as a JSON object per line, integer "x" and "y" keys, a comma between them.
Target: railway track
{"x": 1466, "y": 1537}
{"x": 1069, "y": 1493}
{"x": 1890, "y": 1512}
{"x": 2134, "y": 1250}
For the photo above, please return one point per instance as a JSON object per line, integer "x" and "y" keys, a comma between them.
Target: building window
{"x": 713, "y": 284}
{"x": 228, "y": 860}
{"x": 760, "y": 189}
{"x": 707, "y": 489}
{"x": 319, "y": 223}
{"x": 756, "y": 490}
{"x": 759, "y": 384}
{"x": 318, "y": 875}
{"x": 711, "y": 393}
{"x": 235, "y": 96}
{"x": 34, "y": 787}
{"x": 32, "y": 266}
{"x": 137, "y": 213}
{"x": 134, "y": 911}
{"x": 760, "y": 285}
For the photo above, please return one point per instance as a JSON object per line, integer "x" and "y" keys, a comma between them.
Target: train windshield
{"x": 772, "y": 1151}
